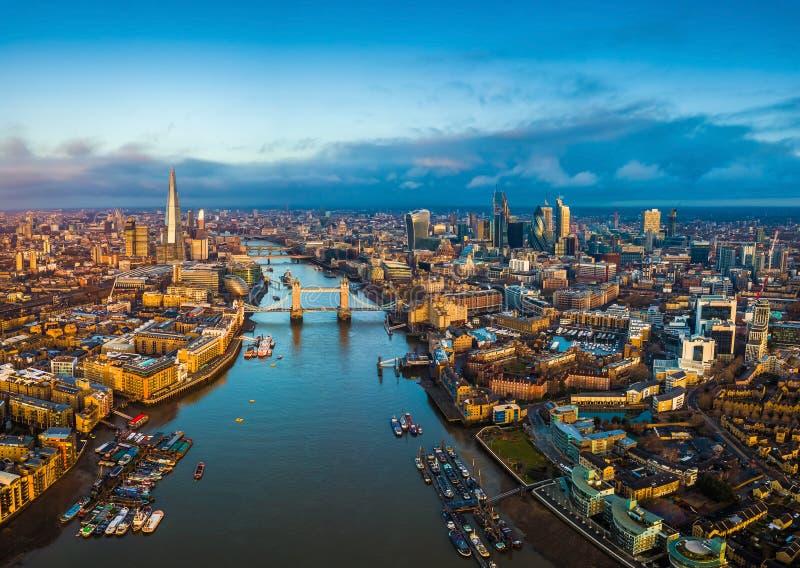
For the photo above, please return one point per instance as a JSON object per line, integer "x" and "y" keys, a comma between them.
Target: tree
{"x": 639, "y": 372}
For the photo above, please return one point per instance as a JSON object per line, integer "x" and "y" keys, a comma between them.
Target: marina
{"x": 468, "y": 517}
{"x": 128, "y": 470}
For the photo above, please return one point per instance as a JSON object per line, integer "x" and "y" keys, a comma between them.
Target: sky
{"x": 399, "y": 104}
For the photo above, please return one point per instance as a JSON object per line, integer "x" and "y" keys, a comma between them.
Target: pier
{"x": 442, "y": 399}
{"x": 466, "y": 498}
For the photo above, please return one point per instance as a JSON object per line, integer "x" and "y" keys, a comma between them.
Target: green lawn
{"x": 516, "y": 450}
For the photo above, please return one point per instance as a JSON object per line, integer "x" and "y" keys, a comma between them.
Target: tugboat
{"x": 140, "y": 518}
{"x": 403, "y": 423}
{"x": 276, "y": 298}
{"x": 460, "y": 543}
{"x": 250, "y": 352}
{"x": 199, "y": 470}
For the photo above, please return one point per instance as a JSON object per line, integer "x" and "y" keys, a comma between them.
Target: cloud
{"x": 689, "y": 159}
{"x": 637, "y": 171}
{"x": 77, "y": 147}
{"x": 548, "y": 169}
{"x": 410, "y": 185}
{"x": 483, "y": 181}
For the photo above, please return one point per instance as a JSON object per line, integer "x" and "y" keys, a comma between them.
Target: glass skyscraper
{"x": 417, "y": 225}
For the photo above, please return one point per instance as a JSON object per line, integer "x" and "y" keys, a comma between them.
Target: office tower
{"x": 19, "y": 262}
{"x": 473, "y": 223}
{"x": 137, "y": 239}
{"x": 46, "y": 245}
{"x": 190, "y": 222}
{"x": 756, "y": 346}
{"x": 547, "y": 213}
{"x": 500, "y": 219}
{"x": 539, "y": 235}
{"x": 417, "y": 226}
{"x": 761, "y": 235}
{"x": 198, "y": 247}
{"x": 97, "y": 254}
{"x": 780, "y": 259}
{"x": 698, "y": 252}
{"x": 616, "y": 220}
{"x": 710, "y": 309}
{"x": 171, "y": 249}
{"x": 723, "y": 335}
{"x": 516, "y": 234}
{"x": 672, "y": 225}
{"x": 201, "y": 219}
{"x": 484, "y": 230}
{"x": 747, "y": 255}
{"x": 651, "y": 221}
{"x": 726, "y": 258}
{"x": 562, "y": 219}
{"x": 32, "y": 261}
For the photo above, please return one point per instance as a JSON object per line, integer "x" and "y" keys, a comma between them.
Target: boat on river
{"x": 152, "y": 523}
{"x": 70, "y": 514}
{"x": 199, "y": 470}
{"x": 460, "y": 543}
{"x": 398, "y": 431}
{"x": 140, "y": 518}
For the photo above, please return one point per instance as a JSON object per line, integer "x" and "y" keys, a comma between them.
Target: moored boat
{"x": 152, "y": 523}
{"x": 199, "y": 470}
{"x": 478, "y": 544}
{"x": 140, "y": 518}
{"x": 87, "y": 530}
{"x": 398, "y": 431}
{"x": 460, "y": 543}
{"x": 112, "y": 526}
{"x": 418, "y": 463}
{"x": 70, "y": 513}
{"x": 403, "y": 423}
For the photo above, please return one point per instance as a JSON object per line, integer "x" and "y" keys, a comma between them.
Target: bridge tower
{"x": 297, "y": 304}
{"x": 344, "y": 313}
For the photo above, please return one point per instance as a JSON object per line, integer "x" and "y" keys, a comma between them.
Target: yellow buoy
{"x": 252, "y": 401}
{"x": 240, "y": 420}
{"x": 273, "y": 364}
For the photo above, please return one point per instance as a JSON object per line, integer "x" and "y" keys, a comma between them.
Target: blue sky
{"x": 399, "y": 104}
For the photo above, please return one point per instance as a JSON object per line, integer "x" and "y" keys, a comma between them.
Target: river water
{"x": 313, "y": 476}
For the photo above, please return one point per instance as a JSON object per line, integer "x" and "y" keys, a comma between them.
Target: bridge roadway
{"x": 248, "y": 308}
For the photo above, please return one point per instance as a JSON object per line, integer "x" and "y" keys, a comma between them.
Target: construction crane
{"x": 769, "y": 266}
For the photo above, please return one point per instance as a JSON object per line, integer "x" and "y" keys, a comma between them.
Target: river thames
{"x": 313, "y": 476}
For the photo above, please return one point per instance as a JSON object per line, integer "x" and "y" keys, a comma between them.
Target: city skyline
{"x": 392, "y": 107}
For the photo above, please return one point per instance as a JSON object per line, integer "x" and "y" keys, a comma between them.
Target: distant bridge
{"x": 348, "y": 302}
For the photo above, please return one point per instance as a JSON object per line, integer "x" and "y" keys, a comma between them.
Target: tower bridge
{"x": 293, "y": 303}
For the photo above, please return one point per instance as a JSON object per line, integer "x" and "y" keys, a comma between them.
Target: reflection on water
{"x": 313, "y": 476}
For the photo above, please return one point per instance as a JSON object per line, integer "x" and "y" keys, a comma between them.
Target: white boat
{"x": 418, "y": 463}
{"x": 152, "y": 523}
{"x": 112, "y": 526}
